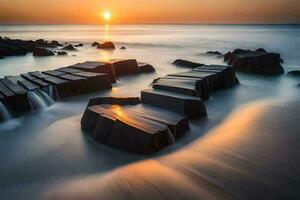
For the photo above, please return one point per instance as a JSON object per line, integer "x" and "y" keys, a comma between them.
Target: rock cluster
{"x": 17, "y": 47}
{"x": 258, "y": 62}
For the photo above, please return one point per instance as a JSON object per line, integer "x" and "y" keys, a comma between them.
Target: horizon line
{"x": 192, "y": 23}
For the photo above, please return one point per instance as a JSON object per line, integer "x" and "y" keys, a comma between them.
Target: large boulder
{"x": 106, "y": 45}
{"x": 257, "y": 62}
{"x": 42, "y": 52}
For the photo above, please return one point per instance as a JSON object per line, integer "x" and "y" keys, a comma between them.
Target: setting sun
{"x": 106, "y": 15}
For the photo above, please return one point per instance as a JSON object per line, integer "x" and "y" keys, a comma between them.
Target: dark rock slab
{"x": 28, "y": 85}
{"x": 126, "y": 131}
{"x": 95, "y": 81}
{"x": 145, "y": 68}
{"x": 178, "y": 86}
{"x": 97, "y": 67}
{"x": 256, "y": 62}
{"x": 35, "y": 80}
{"x": 42, "y": 52}
{"x": 186, "y": 63}
{"x": 54, "y": 73}
{"x": 114, "y": 101}
{"x": 68, "y": 70}
{"x": 16, "y": 98}
{"x": 191, "y": 106}
{"x": 125, "y": 66}
{"x": 78, "y": 45}
{"x": 138, "y": 128}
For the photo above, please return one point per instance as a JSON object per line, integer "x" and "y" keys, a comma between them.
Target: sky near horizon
{"x": 147, "y": 11}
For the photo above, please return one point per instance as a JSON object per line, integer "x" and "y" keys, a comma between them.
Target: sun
{"x": 106, "y": 15}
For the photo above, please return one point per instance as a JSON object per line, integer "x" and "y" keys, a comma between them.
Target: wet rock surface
{"x": 257, "y": 62}
{"x": 139, "y": 128}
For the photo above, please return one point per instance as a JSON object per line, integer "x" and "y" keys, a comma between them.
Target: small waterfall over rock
{"x": 39, "y": 99}
{"x": 5, "y": 114}
{"x": 171, "y": 137}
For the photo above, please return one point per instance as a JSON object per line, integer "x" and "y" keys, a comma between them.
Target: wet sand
{"x": 253, "y": 154}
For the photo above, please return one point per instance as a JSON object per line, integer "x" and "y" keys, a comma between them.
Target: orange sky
{"x": 149, "y": 11}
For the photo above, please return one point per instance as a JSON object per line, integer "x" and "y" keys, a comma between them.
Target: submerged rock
{"x": 62, "y": 53}
{"x": 79, "y": 45}
{"x": 69, "y": 48}
{"x": 294, "y": 73}
{"x": 257, "y": 62}
{"x": 214, "y": 53}
{"x": 146, "y": 68}
{"x": 186, "y": 63}
{"x": 123, "y": 48}
{"x": 42, "y": 52}
{"x": 106, "y": 45}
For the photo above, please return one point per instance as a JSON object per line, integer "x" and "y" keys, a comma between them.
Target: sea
{"x": 46, "y": 147}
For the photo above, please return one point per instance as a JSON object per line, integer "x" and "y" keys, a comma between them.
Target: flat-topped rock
{"x": 15, "y": 96}
{"x": 114, "y": 101}
{"x": 125, "y": 66}
{"x": 97, "y": 67}
{"x": 257, "y": 62}
{"x": 191, "y": 106}
{"x": 138, "y": 129}
{"x": 68, "y": 70}
{"x": 54, "y": 72}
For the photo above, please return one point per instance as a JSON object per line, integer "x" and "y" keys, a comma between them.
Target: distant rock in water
{"x": 78, "y": 45}
{"x": 42, "y": 52}
{"x": 294, "y": 73}
{"x": 106, "y": 45}
{"x": 186, "y": 63}
{"x": 257, "y": 62}
{"x": 69, "y": 48}
{"x": 95, "y": 44}
{"x": 123, "y": 48}
{"x": 214, "y": 53}
{"x": 62, "y": 53}
{"x": 146, "y": 68}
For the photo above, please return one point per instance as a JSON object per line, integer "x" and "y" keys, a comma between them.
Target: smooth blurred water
{"x": 34, "y": 158}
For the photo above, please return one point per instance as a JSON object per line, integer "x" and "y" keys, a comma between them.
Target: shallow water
{"x": 38, "y": 153}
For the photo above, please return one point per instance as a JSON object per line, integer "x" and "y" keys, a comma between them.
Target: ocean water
{"x": 46, "y": 147}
